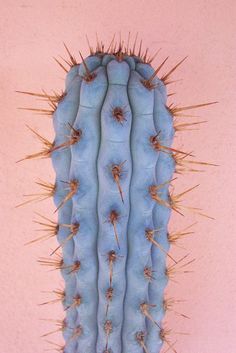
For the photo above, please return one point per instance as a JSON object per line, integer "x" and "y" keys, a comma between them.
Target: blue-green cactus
{"x": 113, "y": 161}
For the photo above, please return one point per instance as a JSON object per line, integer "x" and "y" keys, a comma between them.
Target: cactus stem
{"x": 149, "y": 234}
{"x": 140, "y": 335}
{"x": 74, "y": 228}
{"x": 73, "y": 187}
{"x": 165, "y": 77}
{"x": 108, "y": 330}
{"x": 148, "y": 83}
{"x": 113, "y": 218}
{"x": 144, "y": 307}
{"x": 60, "y": 297}
{"x": 110, "y": 73}
{"x": 148, "y": 273}
{"x": 116, "y": 170}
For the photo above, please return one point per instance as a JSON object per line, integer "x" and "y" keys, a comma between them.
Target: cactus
{"x": 114, "y": 165}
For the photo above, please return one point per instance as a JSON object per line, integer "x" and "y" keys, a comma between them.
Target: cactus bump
{"x": 114, "y": 165}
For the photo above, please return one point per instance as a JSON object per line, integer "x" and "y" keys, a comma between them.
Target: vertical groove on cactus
{"x": 164, "y": 171}
{"x": 113, "y": 210}
{"x": 63, "y": 118}
{"x": 139, "y": 249}
{"x": 83, "y": 168}
{"x": 114, "y": 165}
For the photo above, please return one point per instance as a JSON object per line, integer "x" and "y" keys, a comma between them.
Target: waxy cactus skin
{"x": 114, "y": 163}
{"x": 109, "y": 222}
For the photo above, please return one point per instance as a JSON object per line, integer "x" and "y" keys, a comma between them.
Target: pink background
{"x": 32, "y": 33}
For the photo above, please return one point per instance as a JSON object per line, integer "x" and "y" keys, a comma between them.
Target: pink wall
{"x": 32, "y": 33}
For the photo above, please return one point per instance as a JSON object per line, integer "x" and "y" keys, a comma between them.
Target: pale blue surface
{"x": 104, "y": 141}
